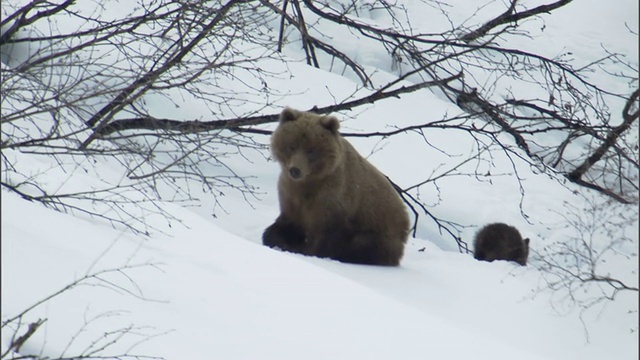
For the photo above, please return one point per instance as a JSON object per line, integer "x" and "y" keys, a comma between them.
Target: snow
{"x": 203, "y": 287}
{"x": 215, "y": 294}
{"x": 208, "y": 293}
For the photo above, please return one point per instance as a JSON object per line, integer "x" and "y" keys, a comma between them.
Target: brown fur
{"x": 333, "y": 202}
{"x": 501, "y": 242}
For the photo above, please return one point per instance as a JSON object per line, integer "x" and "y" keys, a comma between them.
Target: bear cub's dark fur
{"x": 500, "y": 241}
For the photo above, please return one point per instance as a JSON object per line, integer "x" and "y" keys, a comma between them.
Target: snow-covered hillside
{"x": 201, "y": 285}
{"x": 204, "y": 293}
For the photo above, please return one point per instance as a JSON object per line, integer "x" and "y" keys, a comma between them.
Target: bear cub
{"x": 333, "y": 202}
{"x": 501, "y": 242}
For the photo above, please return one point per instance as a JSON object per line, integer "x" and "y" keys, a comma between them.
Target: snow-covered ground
{"x": 208, "y": 289}
{"x": 209, "y": 294}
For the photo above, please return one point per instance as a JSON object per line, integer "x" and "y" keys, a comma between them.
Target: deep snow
{"x": 211, "y": 294}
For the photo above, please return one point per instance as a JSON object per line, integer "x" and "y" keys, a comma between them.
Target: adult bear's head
{"x": 308, "y": 146}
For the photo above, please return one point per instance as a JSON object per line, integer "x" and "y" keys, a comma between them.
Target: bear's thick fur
{"x": 500, "y": 241}
{"x": 333, "y": 202}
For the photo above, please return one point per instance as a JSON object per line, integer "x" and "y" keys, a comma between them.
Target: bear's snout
{"x": 295, "y": 173}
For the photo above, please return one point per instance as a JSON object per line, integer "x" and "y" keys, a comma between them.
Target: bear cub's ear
{"x": 330, "y": 123}
{"x": 289, "y": 114}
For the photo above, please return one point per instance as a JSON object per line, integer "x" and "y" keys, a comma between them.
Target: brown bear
{"x": 333, "y": 202}
{"x": 500, "y": 241}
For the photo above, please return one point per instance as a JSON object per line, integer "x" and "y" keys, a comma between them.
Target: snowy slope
{"x": 214, "y": 295}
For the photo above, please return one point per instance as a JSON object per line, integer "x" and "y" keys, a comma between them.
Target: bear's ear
{"x": 526, "y": 241}
{"x": 330, "y": 123}
{"x": 289, "y": 114}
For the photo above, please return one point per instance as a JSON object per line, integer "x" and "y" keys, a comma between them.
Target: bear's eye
{"x": 313, "y": 153}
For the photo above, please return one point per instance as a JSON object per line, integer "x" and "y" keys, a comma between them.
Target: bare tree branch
{"x": 628, "y": 116}
{"x": 510, "y": 16}
{"x": 16, "y": 344}
{"x": 145, "y": 81}
{"x": 99, "y": 347}
{"x": 20, "y": 19}
{"x": 235, "y": 124}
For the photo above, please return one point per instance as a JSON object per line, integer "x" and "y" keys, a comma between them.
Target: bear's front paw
{"x": 284, "y": 236}
{"x": 272, "y": 239}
